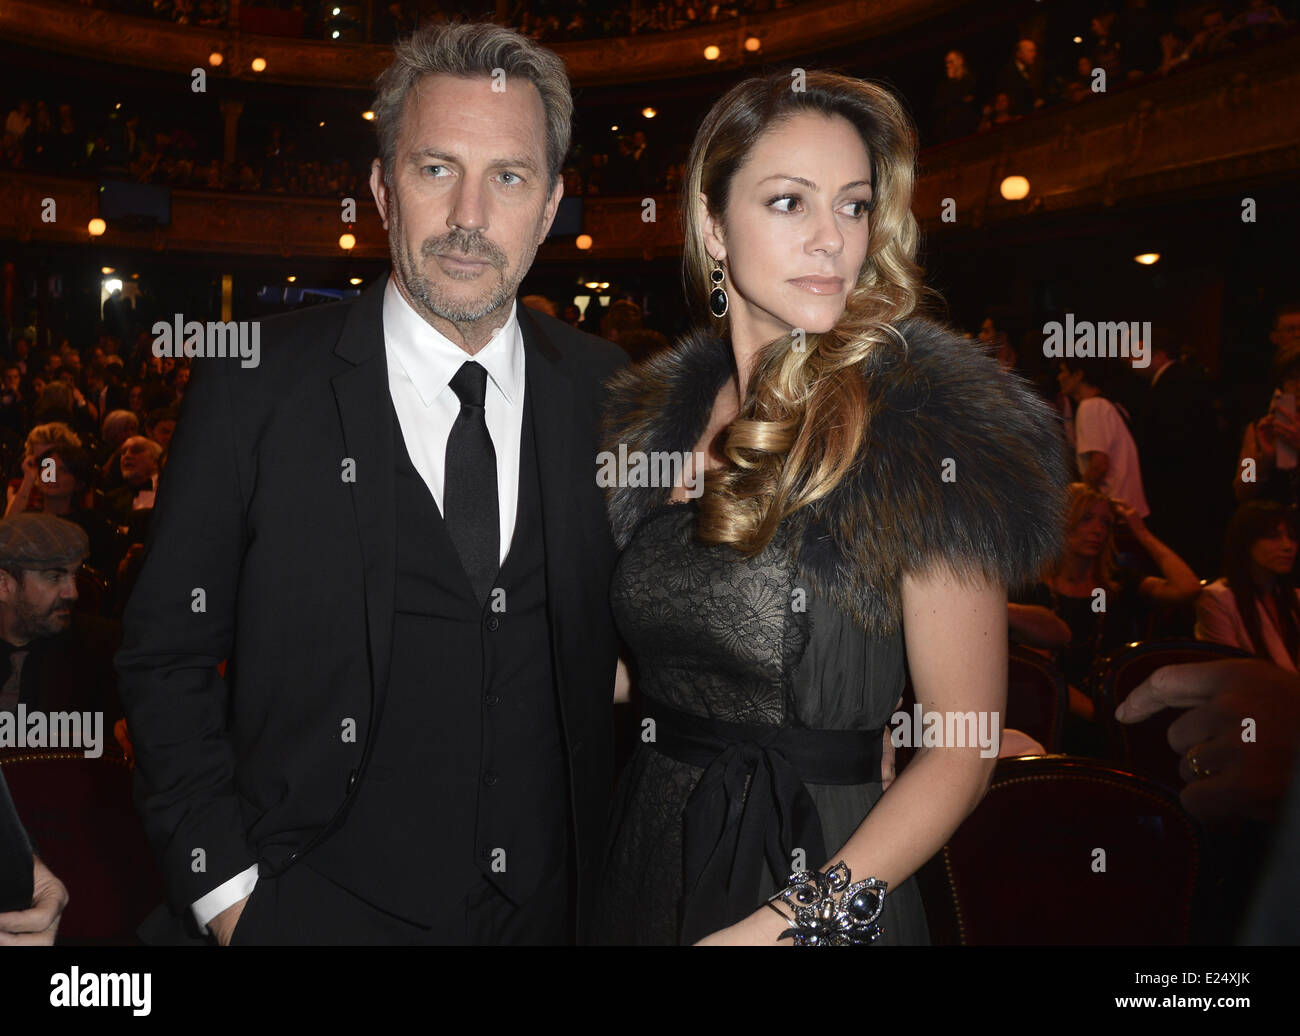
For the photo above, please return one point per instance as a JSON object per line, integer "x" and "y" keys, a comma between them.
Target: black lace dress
{"x": 742, "y": 641}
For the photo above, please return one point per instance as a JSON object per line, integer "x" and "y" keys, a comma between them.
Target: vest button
{"x": 492, "y": 699}
{"x": 493, "y": 622}
{"x": 352, "y": 780}
{"x": 490, "y": 779}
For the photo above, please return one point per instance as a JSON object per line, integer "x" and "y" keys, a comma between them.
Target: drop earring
{"x": 718, "y": 300}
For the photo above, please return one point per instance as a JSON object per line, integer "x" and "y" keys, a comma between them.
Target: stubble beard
{"x": 35, "y": 624}
{"x": 429, "y": 297}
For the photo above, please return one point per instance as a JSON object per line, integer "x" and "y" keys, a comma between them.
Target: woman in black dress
{"x": 1102, "y": 604}
{"x": 872, "y": 482}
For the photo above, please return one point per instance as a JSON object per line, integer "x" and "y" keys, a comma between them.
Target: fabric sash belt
{"x": 751, "y": 804}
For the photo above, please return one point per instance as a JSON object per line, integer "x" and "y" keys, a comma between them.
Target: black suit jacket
{"x": 1022, "y": 92}
{"x": 1175, "y": 424}
{"x": 276, "y": 518}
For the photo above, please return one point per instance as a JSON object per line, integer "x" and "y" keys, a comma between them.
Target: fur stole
{"x": 964, "y": 464}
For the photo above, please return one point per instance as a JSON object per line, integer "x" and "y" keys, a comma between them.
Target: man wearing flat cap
{"x": 51, "y": 657}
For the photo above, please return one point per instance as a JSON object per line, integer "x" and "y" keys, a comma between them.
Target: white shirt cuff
{"x": 227, "y": 894}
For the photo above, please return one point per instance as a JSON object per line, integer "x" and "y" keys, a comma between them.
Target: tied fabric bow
{"x": 749, "y": 805}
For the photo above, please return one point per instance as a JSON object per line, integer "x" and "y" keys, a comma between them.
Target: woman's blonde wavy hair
{"x": 805, "y": 414}
{"x": 1082, "y": 497}
{"x": 51, "y": 435}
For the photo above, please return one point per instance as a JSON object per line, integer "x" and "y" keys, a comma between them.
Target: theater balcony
{"x": 72, "y": 29}
{"x": 1198, "y": 134}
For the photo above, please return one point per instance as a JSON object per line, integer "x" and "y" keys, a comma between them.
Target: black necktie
{"x": 469, "y": 494}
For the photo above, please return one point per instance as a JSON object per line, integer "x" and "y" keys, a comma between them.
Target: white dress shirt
{"x": 1219, "y": 621}
{"x": 1099, "y": 427}
{"x": 421, "y": 363}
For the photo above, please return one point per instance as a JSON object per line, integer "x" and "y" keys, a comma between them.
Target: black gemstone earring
{"x": 718, "y": 300}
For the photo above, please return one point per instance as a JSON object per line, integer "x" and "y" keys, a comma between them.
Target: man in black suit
{"x": 1021, "y": 79}
{"x": 1175, "y": 431}
{"x": 391, "y": 533}
{"x": 138, "y": 463}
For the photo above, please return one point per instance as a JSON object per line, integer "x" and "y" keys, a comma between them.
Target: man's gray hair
{"x": 469, "y": 50}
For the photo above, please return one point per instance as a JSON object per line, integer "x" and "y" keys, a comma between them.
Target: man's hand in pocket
{"x": 223, "y": 925}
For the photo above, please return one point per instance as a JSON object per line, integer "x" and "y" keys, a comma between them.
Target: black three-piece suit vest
{"x": 467, "y": 777}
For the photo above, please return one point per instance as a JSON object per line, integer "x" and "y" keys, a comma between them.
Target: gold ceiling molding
{"x": 67, "y": 28}
{"x": 1212, "y": 132}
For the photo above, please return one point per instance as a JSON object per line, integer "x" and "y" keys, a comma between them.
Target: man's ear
{"x": 8, "y": 586}
{"x": 713, "y": 240}
{"x": 378, "y": 190}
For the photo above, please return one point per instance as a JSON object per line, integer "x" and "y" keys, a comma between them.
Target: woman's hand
{"x": 1265, "y": 441}
{"x": 1275, "y": 425}
{"x": 1285, "y": 428}
{"x": 20, "y": 497}
{"x": 1131, "y": 516}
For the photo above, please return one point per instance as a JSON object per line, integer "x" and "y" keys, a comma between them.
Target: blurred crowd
{"x": 1123, "y": 46}
{"x": 551, "y": 21}
{"x": 122, "y": 147}
{"x": 84, "y": 430}
{"x": 1185, "y": 509}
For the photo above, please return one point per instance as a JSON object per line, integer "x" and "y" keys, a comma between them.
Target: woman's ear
{"x": 712, "y": 229}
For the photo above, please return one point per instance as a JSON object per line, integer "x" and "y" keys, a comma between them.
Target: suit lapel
{"x": 559, "y": 447}
{"x": 365, "y": 405}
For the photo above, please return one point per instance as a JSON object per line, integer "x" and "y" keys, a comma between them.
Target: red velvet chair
{"x": 1020, "y": 870}
{"x": 1036, "y": 701}
{"x": 1037, "y": 698}
{"x": 1144, "y": 747}
{"x": 80, "y": 814}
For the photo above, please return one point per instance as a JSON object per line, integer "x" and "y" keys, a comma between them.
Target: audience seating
{"x": 1037, "y": 698}
{"x": 1025, "y": 868}
{"x": 80, "y": 815}
{"x": 1036, "y": 701}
